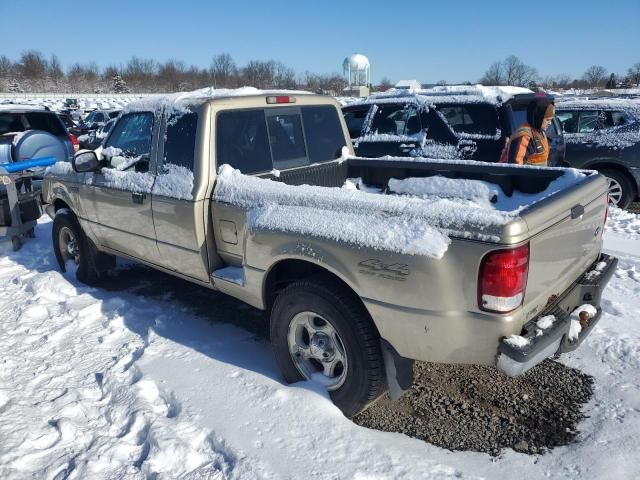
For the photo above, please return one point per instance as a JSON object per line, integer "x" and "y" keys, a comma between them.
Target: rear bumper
{"x": 542, "y": 343}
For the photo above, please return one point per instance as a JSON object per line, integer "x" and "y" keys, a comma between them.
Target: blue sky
{"x": 453, "y": 41}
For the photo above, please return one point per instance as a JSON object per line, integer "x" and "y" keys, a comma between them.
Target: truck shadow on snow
{"x": 456, "y": 407}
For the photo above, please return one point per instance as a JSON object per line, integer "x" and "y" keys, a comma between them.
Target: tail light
{"x": 606, "y": 210}
{"x": 502, "y": 279}
{"x": 280, "y": 99}
{"x": 74, "y": 143}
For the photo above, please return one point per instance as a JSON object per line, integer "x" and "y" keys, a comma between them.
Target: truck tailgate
{"x": 566, "y": 238}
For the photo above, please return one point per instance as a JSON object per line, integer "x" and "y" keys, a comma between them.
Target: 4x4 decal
{"x": 390, "y": 271}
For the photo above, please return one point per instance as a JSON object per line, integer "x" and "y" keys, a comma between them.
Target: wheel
{"x": 72, "y": 248}
{"x": 621, "y": 191}
{"x": 322, "y": 334}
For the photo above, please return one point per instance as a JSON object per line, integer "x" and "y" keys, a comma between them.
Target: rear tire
{"x": 321, "y": 333}
{"x": 71, "y": 246}
{"x": 621, "y": 190}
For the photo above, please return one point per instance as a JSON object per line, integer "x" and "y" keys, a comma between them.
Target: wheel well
{"x": 58, "y": 204}
{"x": 286, "y": 272}
{"x": 618, "y": 168}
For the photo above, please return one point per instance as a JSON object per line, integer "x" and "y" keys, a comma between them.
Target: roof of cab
{"x": 183, "y": 101}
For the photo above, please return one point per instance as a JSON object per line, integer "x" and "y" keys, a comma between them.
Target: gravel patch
{"x": 470, "y": 407}
{"x": 634, "y": 207}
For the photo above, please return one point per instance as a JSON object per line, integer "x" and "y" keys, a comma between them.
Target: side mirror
{"x": 85, "y": 161}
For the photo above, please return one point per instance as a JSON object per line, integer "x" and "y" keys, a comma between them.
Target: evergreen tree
{"x": 119, "y": 85}
{"x": 612, "y": 82}
{"x": 14, "y": 86}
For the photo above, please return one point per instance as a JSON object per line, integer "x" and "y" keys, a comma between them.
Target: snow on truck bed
{"x": 418, "y": 220}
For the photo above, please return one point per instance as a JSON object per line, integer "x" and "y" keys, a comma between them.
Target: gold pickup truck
{"x": 365, "y": 264}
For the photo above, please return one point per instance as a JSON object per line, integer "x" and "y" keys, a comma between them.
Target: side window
{"x": 354, "y": 118}
{"x": 436, "y": 129}
{"x": 569, "y": 121}
{"x": 475, "y": 119}
{"x": 286, "y": 139}
{"x": 180, "y": 140}
{"x": 322, "y": 128}
{"x": 590, "y": 121}
{"x": 241, "y": 141}
{"x": 131, "y": 138}
{"x": 617, "y": 118}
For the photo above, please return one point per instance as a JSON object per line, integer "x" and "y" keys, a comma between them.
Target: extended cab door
{"x": 118, "y": 200}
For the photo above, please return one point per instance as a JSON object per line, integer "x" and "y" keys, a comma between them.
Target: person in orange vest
{"x": 529, "y": 144}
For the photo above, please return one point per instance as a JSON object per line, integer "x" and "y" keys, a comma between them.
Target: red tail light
{"x": 502, "y": 279}
{"x": 74, "y": 143}
{"x": 281, "y": 99}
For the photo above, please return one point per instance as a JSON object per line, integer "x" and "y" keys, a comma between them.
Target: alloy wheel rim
{"x": 317, "y": 350}
{"x": 68, "y": 245}
{"x": 615, "y": 191}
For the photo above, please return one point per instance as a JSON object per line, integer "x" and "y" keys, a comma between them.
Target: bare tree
{"x": 634, "y": 73}
{"x": 517, "y": 73}
{"x": 140, "y": 73}
{"x": 385, "y": 84}
{"x": 223, "y": 71}
{"x": 33, "y": 69}
{"x": 171, "y": 74}
{"x": 494, "y": 75}
{"x": 595, "y": 76}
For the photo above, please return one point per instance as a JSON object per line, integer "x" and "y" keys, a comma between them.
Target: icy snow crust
{"x": 420, "y": 222}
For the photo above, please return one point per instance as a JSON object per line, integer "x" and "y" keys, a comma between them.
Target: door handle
{"x": 407, "y": 145}
{"x": 138, "y": 197}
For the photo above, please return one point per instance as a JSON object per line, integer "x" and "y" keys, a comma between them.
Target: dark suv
{"x": 452, "y": 122}
{"x": 604, "y": 135}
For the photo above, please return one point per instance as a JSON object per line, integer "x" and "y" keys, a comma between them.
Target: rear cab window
{"x": 259, "y": 140}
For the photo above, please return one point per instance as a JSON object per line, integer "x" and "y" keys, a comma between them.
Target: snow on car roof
{"x": 180, "y": 101}
{"x": 447, "y": 94}
{"x": 606, "y": 103}
{"x": 20, "y": 107}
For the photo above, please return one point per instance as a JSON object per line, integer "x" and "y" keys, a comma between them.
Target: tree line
{"x": 513, "y": 71}
{"x": 33, "y": 72}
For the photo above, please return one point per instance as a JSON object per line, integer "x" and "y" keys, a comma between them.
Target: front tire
{"x": 321, "y": 333}
{"x": 72, "y": 248}
{"x": 621, "y": 191}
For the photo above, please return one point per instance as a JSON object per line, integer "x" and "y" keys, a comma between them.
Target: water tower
{"x": 357, "y": 70}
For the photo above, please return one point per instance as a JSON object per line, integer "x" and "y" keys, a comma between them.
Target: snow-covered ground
{"x": 147, "y": 378}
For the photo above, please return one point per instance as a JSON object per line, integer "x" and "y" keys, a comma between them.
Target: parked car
{"x": 604, "y": 135}
{"x": 17, "y": 119}
{"x": 466, "y": 122}
{"x": 97, "y": 118}
{"x": 93, "y": 139}
{"x": 72, "y": 127}
{"x": 264, "y": 204}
